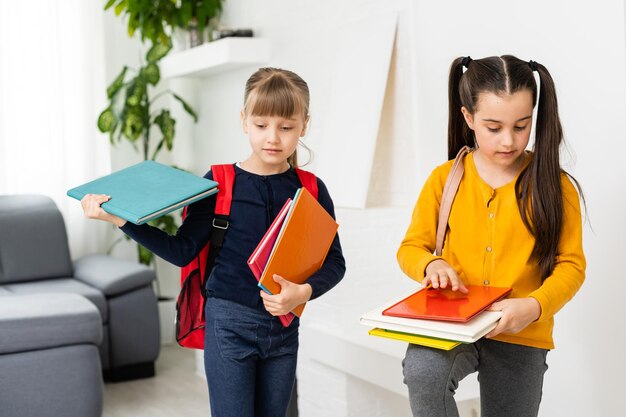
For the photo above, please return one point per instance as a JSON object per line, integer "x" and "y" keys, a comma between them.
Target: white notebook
{"x": 467, "y": 332}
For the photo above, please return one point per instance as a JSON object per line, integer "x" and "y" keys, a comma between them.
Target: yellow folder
{"x": 415, "y": 339}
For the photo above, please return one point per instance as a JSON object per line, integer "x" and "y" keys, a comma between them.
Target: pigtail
{"x": 538, "y": 188}
{"x": 459, "y": 133}
{"x": 292, "y": 160}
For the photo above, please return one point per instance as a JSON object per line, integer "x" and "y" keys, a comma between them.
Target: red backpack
{"x": 190, "y": 303}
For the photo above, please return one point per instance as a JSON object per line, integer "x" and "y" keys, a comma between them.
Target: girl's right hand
{"x": 439, "y": 274}
{"x": 92, "y": 210}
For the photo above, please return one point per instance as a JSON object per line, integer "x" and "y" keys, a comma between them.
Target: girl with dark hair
{"x": 515, "y": 222}
{"x": 249, "y": 357}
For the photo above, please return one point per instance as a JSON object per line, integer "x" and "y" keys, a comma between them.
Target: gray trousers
{"x": 510, "y": 377}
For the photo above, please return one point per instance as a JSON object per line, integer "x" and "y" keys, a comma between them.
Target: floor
{"x": 176, "y": 390}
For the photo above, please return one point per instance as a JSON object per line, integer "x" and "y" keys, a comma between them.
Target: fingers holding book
{"x": 92, "y": 209}
{"x": 291, "y": 295}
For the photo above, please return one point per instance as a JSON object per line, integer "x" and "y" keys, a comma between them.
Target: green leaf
{"x": 166, "y": 124}
{"x": 151, "y": 73}
{"x": 166, "y": 223}
{"x": 109, "y": 4}
{"x": 158, "y": 51}
{"x": 187, "y": 107}
{"x": 133, "y": 124}
{"x": 185, "y": 13}
{"x": 145, "y": 256}
{"x": 121, "y": 6}
{"x": 107, "y": 120}
{"x": 137, "y": 92}
{"x": 201, "y": 19}
{"x": 117, "y": 83}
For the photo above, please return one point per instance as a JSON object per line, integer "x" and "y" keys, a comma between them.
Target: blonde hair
{"x": 277, "y": 92}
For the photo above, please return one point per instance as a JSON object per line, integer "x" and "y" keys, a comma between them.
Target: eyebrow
{"x": 498, "y": 121}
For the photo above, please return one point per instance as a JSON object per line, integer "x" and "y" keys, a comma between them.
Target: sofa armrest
{"x": 112, "y": 276}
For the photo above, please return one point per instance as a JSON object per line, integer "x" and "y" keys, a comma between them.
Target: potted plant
{"x": 131, "y": 115}
{"x": 155, "y": 20}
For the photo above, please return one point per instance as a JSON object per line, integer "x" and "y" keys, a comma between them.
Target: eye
{"x": 287, "y": 128}
{"x": 520, "y": 128}
{"x": 260, "y": 126}
{"x": 493, "y": 129}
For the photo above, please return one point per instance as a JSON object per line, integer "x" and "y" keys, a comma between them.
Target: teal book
{"x": 146, "y": 191}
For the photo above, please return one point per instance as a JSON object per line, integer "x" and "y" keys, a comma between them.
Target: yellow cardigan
{"x": 488, "y": 244}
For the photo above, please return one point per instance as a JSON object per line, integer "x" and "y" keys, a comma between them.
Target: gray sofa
{"x": 35, "y": 259}
{"x": 49, "y": 361}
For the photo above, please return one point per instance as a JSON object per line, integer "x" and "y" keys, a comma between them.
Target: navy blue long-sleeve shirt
{"x": 257, "y": 199}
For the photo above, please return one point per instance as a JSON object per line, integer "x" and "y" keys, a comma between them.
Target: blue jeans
{"x": 249, "y": 360}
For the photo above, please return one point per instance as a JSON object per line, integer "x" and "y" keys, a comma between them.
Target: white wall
{"x": 582, "y": 44}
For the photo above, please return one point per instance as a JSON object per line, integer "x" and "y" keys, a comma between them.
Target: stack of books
{"x": 294, "y": 247}
{"x": 438, "y": 318}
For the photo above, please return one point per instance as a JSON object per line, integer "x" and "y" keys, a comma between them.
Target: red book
{"x": 261, "y": 254}
{"x": 447, "y": 305}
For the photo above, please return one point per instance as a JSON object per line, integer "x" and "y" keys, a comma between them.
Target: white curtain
{"x": 52, "y": 89}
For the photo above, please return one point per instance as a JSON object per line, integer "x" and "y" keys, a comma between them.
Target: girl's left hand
{"x": 291, "y": 295}
{"x": 517, "y": 313}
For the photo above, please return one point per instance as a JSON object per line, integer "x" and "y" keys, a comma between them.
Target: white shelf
{"x": 215, "y": 57}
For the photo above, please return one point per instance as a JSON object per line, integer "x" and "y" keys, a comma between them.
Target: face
{"x": 501, "y": 125}
{"x": 273, "y": 139}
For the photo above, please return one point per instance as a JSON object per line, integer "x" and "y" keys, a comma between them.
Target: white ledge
{"x": 215, "y": 57}
{"x": 372, "y": 359}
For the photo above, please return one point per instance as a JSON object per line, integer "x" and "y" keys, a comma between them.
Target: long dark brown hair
{"x": 277, "y": 92}
{"x": 538, "y": 187}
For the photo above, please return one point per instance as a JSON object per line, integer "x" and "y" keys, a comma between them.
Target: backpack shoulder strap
{"x": 309, "y": 181}
{"x": 224, "y": 175}
{"x": 447, "y": 198}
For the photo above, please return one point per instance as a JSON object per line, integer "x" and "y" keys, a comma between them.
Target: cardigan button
{"x": 488, "y": 248}
{"x": 486, "y": 282}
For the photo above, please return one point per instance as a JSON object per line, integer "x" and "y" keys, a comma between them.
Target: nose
{"x": 273, "y": 135}
{"x": 507, "y": 138}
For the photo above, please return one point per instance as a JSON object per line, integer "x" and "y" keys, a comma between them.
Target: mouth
{"x": 272, "y": 151}
{"x": 507, "y": 153}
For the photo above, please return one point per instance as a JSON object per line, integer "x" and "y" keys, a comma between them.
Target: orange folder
{"x": 303, "y": 243}
{"x": 261, "y": 254}
{"x": 445, "y": 304}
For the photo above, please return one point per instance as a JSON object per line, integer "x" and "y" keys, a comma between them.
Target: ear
{"x": 469, "y": 117}
{"x": 306, "y": 126}
{"x": 244, "y": 122}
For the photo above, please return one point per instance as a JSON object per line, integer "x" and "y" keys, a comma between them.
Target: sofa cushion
{"x": 63, "y": 285}
{"x": 41, "y": 321}
{"x": 112, "y": 276}
{"x": 33, "y": 241}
